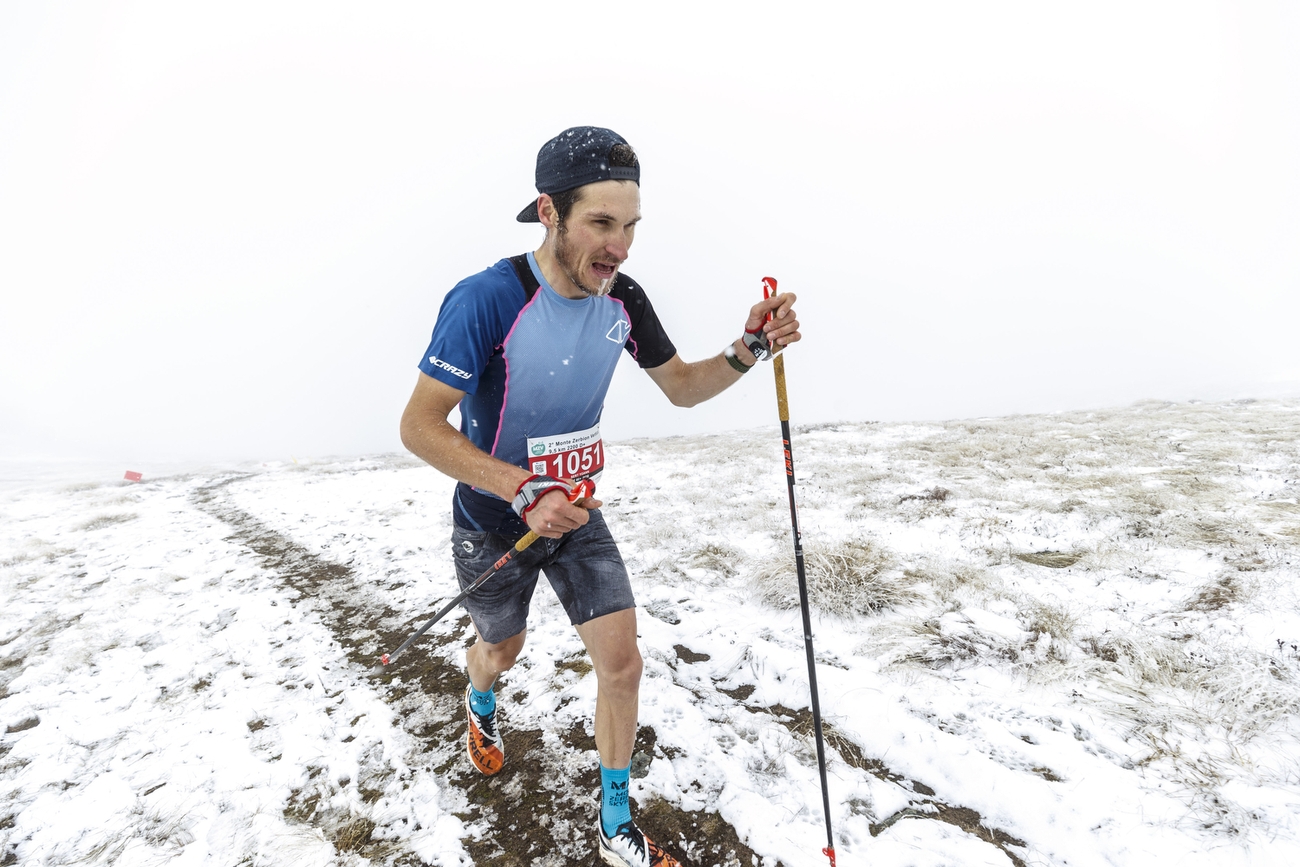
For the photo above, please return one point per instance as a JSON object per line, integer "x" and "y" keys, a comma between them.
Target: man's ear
{"x": 546, "y": 212}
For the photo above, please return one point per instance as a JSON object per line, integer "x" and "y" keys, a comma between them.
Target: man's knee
{"x": 500, "y": 657}
{"x": 621, "y": 669}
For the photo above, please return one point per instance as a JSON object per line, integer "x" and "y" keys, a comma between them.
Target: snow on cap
{"x": 578, "y": 156}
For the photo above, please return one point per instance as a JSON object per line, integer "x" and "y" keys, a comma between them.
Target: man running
{"x": 526, "y": 349}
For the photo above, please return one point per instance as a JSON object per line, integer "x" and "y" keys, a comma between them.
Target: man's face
{"x": 593, "y": 242}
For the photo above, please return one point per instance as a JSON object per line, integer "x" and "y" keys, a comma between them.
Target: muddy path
{"x": 540, "y": 810}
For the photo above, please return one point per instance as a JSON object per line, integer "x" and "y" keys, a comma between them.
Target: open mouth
{"x": 604, "y": 270}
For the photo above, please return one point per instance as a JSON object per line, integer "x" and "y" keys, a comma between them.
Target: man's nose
{"x": 618, "y": 245}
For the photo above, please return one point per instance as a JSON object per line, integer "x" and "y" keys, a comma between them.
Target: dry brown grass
{"x": 1050, "y": 559}
{"x": 103, "y": 521}
{"x": 854, "y": 576}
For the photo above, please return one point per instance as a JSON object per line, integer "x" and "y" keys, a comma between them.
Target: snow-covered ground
{"x": 1046, "y": 640}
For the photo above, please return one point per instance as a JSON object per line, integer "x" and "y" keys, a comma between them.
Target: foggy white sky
{"x": 226, "y": 233}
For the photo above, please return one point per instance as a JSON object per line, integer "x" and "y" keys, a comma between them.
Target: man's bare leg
{"x": 611, "y": 644}
{"x": 486, "y": 661}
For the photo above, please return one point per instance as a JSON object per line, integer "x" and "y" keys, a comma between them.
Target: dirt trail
{"x": 544, "y": 799}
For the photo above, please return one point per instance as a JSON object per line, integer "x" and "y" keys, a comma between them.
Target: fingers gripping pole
{"x": 783, "y": 409}
{"x": 580, "y": 492}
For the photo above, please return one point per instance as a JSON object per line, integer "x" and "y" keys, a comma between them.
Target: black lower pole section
{"x": 829, "y": 851}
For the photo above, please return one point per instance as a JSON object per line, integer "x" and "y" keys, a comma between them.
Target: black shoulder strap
{"x": 525, "y": 274}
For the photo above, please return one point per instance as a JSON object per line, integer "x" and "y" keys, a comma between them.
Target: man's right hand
{"x": 545, "y": 505}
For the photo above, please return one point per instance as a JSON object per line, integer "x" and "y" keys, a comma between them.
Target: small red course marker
{"x": 133, "y": 476}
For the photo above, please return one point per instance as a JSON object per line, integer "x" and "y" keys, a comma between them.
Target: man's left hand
{"x": 783, "y": 329}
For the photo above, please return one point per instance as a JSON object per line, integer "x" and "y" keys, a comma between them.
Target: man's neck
{"x": 555, "y": 277}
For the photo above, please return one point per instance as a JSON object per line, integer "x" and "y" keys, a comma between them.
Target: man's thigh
{"x": 588, "y": 574}
{"x": 499, "y": 608}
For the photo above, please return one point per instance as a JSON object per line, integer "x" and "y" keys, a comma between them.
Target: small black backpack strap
{"x": 525, "y": 274}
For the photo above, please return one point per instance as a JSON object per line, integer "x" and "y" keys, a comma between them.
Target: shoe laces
{"x": 487, "y": 723}
{"x": 634, "y": 836}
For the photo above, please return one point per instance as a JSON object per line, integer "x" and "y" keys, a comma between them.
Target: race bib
{"x": 576, "y": 456}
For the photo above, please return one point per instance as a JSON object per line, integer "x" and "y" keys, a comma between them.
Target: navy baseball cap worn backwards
{"x": 574, "y": 158}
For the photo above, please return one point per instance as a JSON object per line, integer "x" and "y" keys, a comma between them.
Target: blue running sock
{"x": 482, "y": 702}
{"x": 614, "y": 806}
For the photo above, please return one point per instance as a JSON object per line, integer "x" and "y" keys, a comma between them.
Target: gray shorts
{"x": 584, "y": 568}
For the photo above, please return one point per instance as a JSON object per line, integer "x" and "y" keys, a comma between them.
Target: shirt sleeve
{"x": 473, "y": 322}
{"x": 647, "y": 341}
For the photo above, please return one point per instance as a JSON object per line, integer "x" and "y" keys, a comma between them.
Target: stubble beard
{"x": 567, "y": 259}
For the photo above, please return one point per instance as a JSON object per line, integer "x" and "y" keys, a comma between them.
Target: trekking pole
{"x": 580, "y": 491}
{"x": 783, "y": 409}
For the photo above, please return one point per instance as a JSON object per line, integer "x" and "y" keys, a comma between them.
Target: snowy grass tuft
{"x": 850, "y": 577}
{"x": 103, "y": 521}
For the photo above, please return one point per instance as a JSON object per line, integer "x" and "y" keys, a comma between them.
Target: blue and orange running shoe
{"x": 484, "y": 739}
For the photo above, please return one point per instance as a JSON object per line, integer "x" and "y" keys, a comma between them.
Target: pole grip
{"x": 782, "y": 402}
{"x": 778, "y": 360}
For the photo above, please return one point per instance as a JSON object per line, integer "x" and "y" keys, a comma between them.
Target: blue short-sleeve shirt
{"x": 534, "y": 365}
